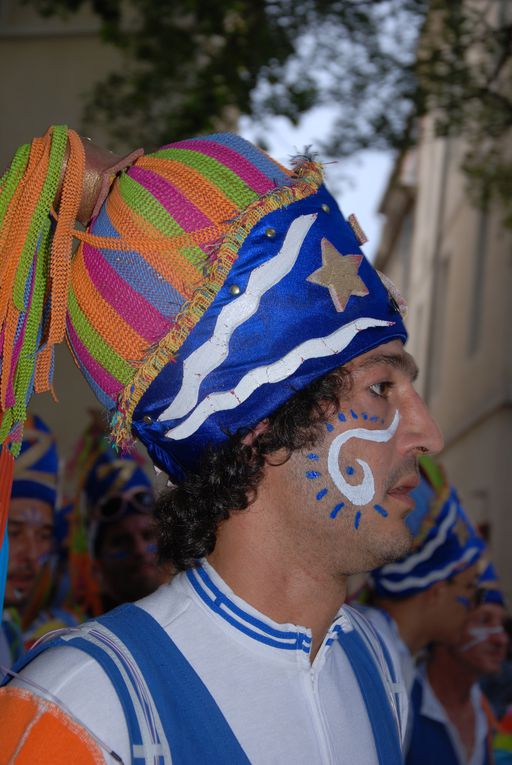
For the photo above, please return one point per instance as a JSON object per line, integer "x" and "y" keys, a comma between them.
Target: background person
{"x": 452, "y": 720}
{"x": 113, "y": 546}
{"x": 426, "y": 596}
{"x": 32, "y": 537}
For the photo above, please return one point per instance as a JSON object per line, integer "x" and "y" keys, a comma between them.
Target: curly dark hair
{"x": 188, "y": 515}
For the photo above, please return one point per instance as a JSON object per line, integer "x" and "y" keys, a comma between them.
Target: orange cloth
{"x": 36, "y": 731}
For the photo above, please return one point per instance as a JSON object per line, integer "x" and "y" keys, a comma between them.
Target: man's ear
{"x": 253, "y": 434}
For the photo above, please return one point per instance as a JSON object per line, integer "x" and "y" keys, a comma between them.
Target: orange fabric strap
{"x": 35, "y": 730}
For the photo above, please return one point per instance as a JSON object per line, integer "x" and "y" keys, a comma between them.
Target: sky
{"x": 357, "y": 184}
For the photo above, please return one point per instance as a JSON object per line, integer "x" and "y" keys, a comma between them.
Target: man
{"x": 426, "y": 596}
{"x": 453, "y": 721}
{"x": 261, "y": 362}
{"x": 31, "y": 535}
{"x": 113, "y": 509}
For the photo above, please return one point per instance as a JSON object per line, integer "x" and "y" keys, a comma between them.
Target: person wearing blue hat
{"x": 426, "y": 595}
{"x": 31, "y": 532}
{"x": 452, "y": 719}
{"x": 281, "y": 405}
{"x": 118, "y": 502}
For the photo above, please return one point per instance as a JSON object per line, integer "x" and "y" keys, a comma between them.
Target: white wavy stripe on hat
{"x": 421, "y": 582}
{"x": 214, "y": 351}
{"x": 281, "y": 369}
{"x": 413, "y": 560}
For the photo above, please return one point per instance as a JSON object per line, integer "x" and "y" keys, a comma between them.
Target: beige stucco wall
{"x": 468, "y": 387}
{"x": 478, "y": 463}
{"x": 48, "y": 66}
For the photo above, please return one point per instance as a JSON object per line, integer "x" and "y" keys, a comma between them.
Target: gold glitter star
{"x": 339, "y": 274}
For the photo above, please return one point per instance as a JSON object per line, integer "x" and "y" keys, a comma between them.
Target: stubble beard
{"x": 379, "y": 549}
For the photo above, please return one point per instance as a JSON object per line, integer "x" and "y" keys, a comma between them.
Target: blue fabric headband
{"x": 36, "y": 468}
{"x": 490, "y": 586}
{"x": 113, "y": 473}
{"x": 299, "y": 301}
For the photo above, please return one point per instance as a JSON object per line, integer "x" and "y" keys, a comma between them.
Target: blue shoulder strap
{"x": 380, "y": 715}
{"x": 170, "y": 714}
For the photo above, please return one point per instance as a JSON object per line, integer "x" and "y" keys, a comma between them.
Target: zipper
{"x": 318, "y": 719}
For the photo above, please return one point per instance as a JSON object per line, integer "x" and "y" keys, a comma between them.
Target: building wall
{"x": 460, "y": 280}
{"x": 49, "y": 65}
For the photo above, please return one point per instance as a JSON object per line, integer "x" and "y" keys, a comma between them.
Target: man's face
{"x": 455, "y": 601}
{"x": 351, "y": 491}
{"x": 127, "y": 558}
{"x": 484, "y": 643}
{"x": 30, "y": 543}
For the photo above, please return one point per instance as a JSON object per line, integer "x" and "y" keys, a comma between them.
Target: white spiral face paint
{"x": 362, "y": 493}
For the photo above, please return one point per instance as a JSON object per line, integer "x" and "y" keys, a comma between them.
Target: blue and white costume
{"x": 389, "y": 632}
{"x": 434, "y": 738}
{"x": 267, "y": 701}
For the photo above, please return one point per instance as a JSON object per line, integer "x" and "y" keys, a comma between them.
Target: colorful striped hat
{"x": 445, "y": 541}
{"x": 210, "y": 285}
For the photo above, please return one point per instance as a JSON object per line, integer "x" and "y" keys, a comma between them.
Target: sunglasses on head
{"x": 116, "y": 506}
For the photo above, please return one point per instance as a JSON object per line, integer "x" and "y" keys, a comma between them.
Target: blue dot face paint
{"x": 336, "y": 509}
{"x": 360, "y": 493}
{"x": 363, "y": 492}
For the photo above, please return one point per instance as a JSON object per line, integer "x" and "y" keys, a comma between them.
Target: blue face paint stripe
{"x": 357, "y": 519}
{"x": 329, "y": 426}
{"x": 321, "y": 494}
{"x": 312, "y": 474}
{"x": 374, "y": 419}
{"x": 353, "y": 415}
{"x": 381, "y": 510}
{"x": 313, "y": 456}
{"x": 341, "y": 417}
{"x": 335, "y": 510}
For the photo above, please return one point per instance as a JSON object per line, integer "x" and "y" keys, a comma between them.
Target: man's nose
{"x": 421, "y": 433}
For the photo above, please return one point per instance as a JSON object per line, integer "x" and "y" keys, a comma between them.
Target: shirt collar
{"x": 431, "y": 706}
{"x": 222, "y": 601}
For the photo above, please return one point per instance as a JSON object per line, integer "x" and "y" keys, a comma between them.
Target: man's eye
{"x": 381, "y": 389}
